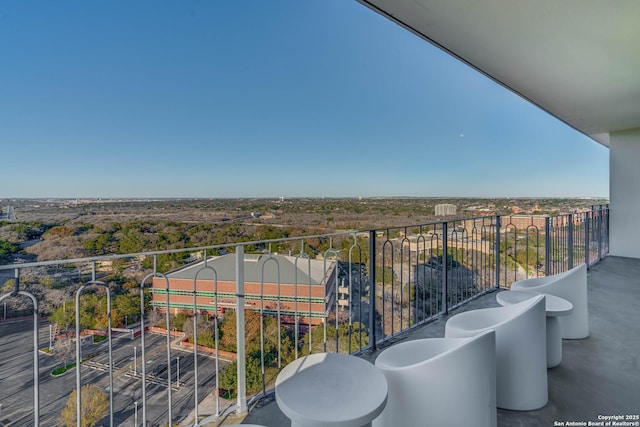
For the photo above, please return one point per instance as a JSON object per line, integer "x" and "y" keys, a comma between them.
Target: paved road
{"x": 16, "y": 378}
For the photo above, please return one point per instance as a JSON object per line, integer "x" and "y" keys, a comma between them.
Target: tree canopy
{"x": 94, "y": 407}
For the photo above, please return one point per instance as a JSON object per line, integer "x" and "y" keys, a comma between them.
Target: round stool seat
{"x": 330, "y": 389}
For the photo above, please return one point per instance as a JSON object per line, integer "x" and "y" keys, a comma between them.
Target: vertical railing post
{"x": 600, "y": 217}
{"x": 142, "y": 346}
{"x": 445, "y": 278}
{"x": 79, "y": 352}
{"x": 372, "y": 289}
{"x": 496, "y": 249}
{"x": 36, "y": 363}
{"x": 78, "y": 360}
{"x": 242, "y": 368}
{"x": 595, "y": 213}
{"x": 111, "y": 364}
{"x": 167, "y": 320}
{"x": 547, "y": 246}
{"x": 36, "y": 360}
{"x": 607, "y": 225}
{"x": 587, "y": 224}
{"x": 195, "y": 341}
{"x": 16, "y": 280}
{"x": 570, "y": 242}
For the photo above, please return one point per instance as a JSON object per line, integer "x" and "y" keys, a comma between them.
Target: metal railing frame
{"x": 92, "y": 282}
{"x": 36, "y": 359}
{"x": 458, "y": 245}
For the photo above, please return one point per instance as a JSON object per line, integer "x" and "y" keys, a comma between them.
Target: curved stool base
{"x": 440, "y": 382}
{"x": 521, "y": 354}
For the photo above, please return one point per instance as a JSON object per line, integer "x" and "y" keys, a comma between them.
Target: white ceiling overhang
{"x": 577, "y": 59}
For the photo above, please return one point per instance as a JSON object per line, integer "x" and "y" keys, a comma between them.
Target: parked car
{"x": 159, "y": 369}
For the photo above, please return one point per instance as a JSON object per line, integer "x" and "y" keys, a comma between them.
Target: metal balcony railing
{"x": 341, "y": 292}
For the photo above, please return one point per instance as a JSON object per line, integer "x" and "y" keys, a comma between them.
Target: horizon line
{"x": 152, "y": 198}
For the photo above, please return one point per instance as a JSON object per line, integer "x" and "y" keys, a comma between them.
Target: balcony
{"x": 413, "y": 275}
{"x": 597, "y": 376}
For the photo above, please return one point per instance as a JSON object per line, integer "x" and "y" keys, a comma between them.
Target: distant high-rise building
{"x": 445, "y": 209}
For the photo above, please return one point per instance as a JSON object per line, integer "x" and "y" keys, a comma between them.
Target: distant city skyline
{"x": 263, "y": 99}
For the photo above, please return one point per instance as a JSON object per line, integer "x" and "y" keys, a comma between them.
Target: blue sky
{"x": 261, "y": 99}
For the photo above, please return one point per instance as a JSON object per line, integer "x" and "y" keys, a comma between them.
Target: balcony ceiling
{"x": 577, "y": 59}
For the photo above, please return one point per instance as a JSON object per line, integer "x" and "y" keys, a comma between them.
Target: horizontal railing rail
{"x": 248, "y": 310}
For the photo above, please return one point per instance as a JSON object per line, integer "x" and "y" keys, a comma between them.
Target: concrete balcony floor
{"x": 598, "y": 376}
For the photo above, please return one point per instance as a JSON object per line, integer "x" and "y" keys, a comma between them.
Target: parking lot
{"x": 16, "y": 377}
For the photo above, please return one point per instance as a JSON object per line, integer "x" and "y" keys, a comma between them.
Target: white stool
{"x": 554, "y": 307}
{"x": 329, "y": 389}
{"x": 440, "y": 382}
{"x": 570, "y": 285}
{"x": 521, "y": 350}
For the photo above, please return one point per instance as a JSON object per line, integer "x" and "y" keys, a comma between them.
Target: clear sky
{"x": 262, "y": 98}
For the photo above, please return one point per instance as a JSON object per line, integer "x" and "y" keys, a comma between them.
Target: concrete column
{"x": 624, "y": 192}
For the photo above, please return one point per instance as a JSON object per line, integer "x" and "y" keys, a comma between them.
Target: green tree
{"x": 58, "y": 232}
{"x": 531, "y": 257}
{"x": 29, "y": 230}
{"x": 100, "y": 244}
{"x": 270, "y": 343}
{"x": 206, "y": 330}
{"x": 359, "y": 253}
{"x": 228, "y": 375}
{"x": 94, "y": 407}
{"x": 93, "y": 313}
{"x": 349, "y": 338}
{"x": 131, "y": 242}
{"x": 64, "y": 315}
{"x": 7, "y": 249}
{"x": 228, "y": 329}
{"x": 228, "y": 379}
{"x": 167, "y": 262}
{"x": 93, "y": 310}
{"x": 176, "y": 322}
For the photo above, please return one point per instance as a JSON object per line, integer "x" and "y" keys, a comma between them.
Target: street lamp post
{"x": 178, "y": 369}
{"x": 50, "y": 335}
{"x": 135, "y": 361}
{"x": 135, "y": 416}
